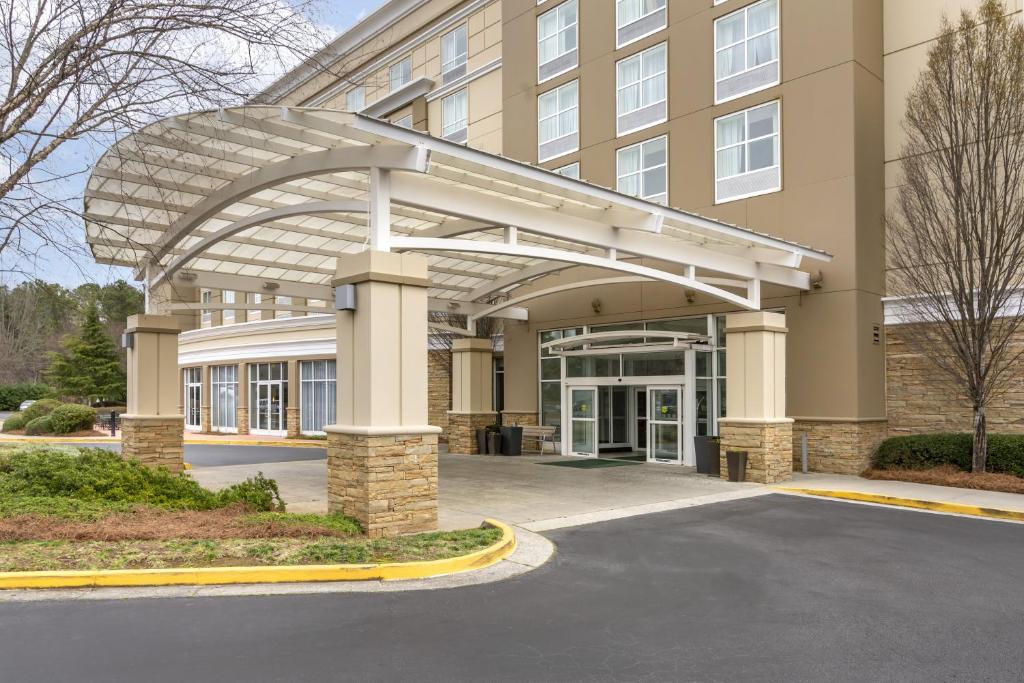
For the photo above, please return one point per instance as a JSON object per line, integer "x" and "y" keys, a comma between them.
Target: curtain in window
{"x": 629, "y": 82}
{"x": 730, "y": 159}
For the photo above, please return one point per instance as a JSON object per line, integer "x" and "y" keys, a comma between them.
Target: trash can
{"x": 481, "y": 441}
{"x": 707, "y": 450}
{"x": 493, "y": 443}
{"x": 511, "y": 440}
{"x": 737, "y": 464}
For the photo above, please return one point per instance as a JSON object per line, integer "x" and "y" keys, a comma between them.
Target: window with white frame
{"x": 747, "y": 50}
{"x": 254, "y": 298}
{"x": 748, "y": 153}
{"x": 557, "y": 40}
{"x": 228, "y": 315}
{"x": 318, "y": 381}
{"x": 454, "y": 51}
{"x": 455, "y": 116}
{"x": 642, "y": 90}
{"x": 206, "y": 315}
{"x": 405, "y": 121}
{"x": 193, "y": 379}
{"x": 355, "y": 99}
{"x": 635, "y": 19}
{"x": 224, "y": 397}
{"x": 642, "y": 170}
{"x": 570, "y": 170}
{"x": 400, "y": 73}
{"x": 283, "y": 301}
{"x": 558, "y": 113}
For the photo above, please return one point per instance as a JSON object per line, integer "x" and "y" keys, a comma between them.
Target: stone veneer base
{"x": 242, "y": 420}
{"x": 462, "y": 430}
{"x": 154, "y": 441}
{"x": 293, "y": 423}
{"x": 836, "y": 446}
{"x": 769, "y": 447}
{"x": 387, "y": 482}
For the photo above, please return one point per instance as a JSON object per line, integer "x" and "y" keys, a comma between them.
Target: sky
{"x": 339, "y": 15}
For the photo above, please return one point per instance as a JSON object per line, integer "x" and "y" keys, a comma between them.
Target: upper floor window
{"x": 641, "y": 97}
{"x": 283, "y": 301}
{"x": 558, "y": 121}
{"x": 455, "y": 117}
{"x": 206, "y": 317}
{"x": 401, "y": 73}
{"x": 570, "y": 170}
{"x": 254, "y": 298}
{"x": 454, "y": 50}
{"x": 405, "y": 121}
{"x": 557, "y": 41}
{"x": 748, "y": 153}
{"x": 228, "y": 316}
{"x": 642, "y": 170}
{"x": 355, "y": 99}
{"x": 635, "y": 19}
{"x": 747, "y": 50}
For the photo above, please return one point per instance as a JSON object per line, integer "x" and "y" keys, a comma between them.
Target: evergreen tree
{"x": 90, "y": 367}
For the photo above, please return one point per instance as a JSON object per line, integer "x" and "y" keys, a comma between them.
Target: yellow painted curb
{"x": 492, "y": 554}
{"x": 932, "y": 505}
{"x": 239, "y": 442}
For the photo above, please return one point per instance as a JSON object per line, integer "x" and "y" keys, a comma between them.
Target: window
{"x": 557, "y": 41}
{"x": 453, "y": 54}
{"x": 401, "y": 73}
{"x": 635, "y": 19}
{"x": 455, "y": 116}
{"x": 551, "y": 378}
{"x": 228, "y": 316}
{"x": 642, "y": 93}
{"x": 558, "y": 121}
{"x": 193, "y": 398}
{"x": 254, "y": 298}
{"x": 355, "y": 99}
{"x": 405, "y": 121}
{"x": 747, "y": 50}
{"x": 498, "y": 383}
{"x": 206, "y": 316}
{"x": 318, "y": 395}
{"x": 283, "y": 301}
{"x": 224, "y": 397}
{"x": 748, "y": 153}
{"x": 570, "y": 170}
{"x": 642, "y": 170}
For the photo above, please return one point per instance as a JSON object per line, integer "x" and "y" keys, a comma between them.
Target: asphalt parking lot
{"x": 769, "y": 588}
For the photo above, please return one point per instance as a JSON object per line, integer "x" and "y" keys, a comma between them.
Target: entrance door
{"x": 193, "y": 398}
{"x": 583, "y": 421}
{"x": 664, "y": 425}
{"x": 268, "y": 396}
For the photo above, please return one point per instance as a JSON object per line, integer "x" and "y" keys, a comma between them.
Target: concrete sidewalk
{"x": 903, "y": 489}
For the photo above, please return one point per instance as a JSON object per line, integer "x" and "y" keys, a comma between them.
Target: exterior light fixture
{"x": 271, "y": 286}
{"x": 128, "y": 340}
{"x": 691, "y": 296}
{"x": 596, "y": 305}
{"x": 345, "y": 297}
{"x": 188, "y": 276}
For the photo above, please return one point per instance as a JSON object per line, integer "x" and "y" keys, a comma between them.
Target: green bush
{"x": 40, "y": 408}
{"x": 923, "y": 451}
{"x": 70, "y": 417}
{"x": 40, "y": 425}
{"x": 12, "y": 395}
{"x": 93, "y": 474}
{"x": 15, "y": 421}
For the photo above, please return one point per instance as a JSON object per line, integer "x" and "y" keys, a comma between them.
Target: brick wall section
{"x": 920, "y": 399}
{"x": 242, "y": 419}
{"x": 769, "y": 447}
{"x": 439, "y": 387}
{"x": 515, "y": 419}
{"x": 837, "y": 447}
{"x": 388, "y": 483}
{"x": 205, "y": 423}
{"x": 462, "y": 430}
{"x": 293, "y": 425}
{"x": 154, "y": 442}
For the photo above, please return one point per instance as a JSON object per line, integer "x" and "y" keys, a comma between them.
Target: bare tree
{"x": 78, "y": 73}
{"x": 955, "y": 236}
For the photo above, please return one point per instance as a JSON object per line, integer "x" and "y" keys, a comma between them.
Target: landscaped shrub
{"x": 40, "y": 425}
{"x": 70, "y": 417}
{"x": 40, "y": 408}
{"x": 12, "y": 395}
{"x": 14, "y": 422}
{"x": 924, "y": 451}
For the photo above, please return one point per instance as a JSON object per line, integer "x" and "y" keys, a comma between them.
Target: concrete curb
{"x": 480, "y": 559}
{"x": 916, "y": 504}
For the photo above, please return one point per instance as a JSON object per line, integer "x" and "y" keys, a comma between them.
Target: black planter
{"x": 737, "y": 464}
{"x": 493, "y": 443}
{"x": 511, "y": 440}
{"x": 708, "y": 450}
{"x": 481, "y": 441}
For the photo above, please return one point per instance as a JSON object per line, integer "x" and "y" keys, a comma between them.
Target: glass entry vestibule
{"x": 268, "y": 398}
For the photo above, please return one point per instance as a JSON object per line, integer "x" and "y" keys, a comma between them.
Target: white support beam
{"x": 491, "y": 311}
{"x": 513, "y": 279}
{"x": 380, "y": 209}
{"x": 451, "y": 329}
{"x": 469, "y": 308}
{"x": 293, "y": 308}
{"x": 246, "y": 283}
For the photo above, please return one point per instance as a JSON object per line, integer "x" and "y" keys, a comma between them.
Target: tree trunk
{"x": 980, "y": 450}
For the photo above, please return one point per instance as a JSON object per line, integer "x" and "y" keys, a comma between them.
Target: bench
{"x": 543, "y": 435}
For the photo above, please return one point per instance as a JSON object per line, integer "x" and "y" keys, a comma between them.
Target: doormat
{"x": 631, "y": 458}
{"x": 590, "y": 463}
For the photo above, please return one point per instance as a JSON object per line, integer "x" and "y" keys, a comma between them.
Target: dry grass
{"x": 948, "y": 475}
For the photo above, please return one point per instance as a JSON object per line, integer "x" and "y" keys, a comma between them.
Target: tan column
{"x": 242, "y": 405}
{"x": 292, "y": 423}
{"x": 472, "y": 393}
{"x": 205, "y": 423}
{"x": 382, "y": 454}
{"x": 153, "y": 428}
{"x": 756, "y": 419}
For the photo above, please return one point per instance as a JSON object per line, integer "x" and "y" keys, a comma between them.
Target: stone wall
{"x": 837, "y": 447}
{"x": 462, "y": 430}
{"x": 388, "y": 483}
{"x": 242, "y": 419}
{"x": 769, "y": 447}
{"x": 154, "y": 442}
{"x": 293, "y": 423}
{"x": 439, "y": 388}
{"x": 921, "y": 399}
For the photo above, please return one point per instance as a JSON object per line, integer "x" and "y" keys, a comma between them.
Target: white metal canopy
{"x": 236, "y": 198}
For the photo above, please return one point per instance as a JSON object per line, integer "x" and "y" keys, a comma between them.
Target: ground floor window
{"x": 224, "y": 397}
{"x": 268, "y": 396}
{"x": 193, "y": 397}
{"x": 499, "y": 383}
{"x": 319, "y": 394}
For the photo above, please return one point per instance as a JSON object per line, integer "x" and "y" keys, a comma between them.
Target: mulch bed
{"x": 948, "y": 475}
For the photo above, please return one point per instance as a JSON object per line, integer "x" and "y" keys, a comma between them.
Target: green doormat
{"x": 589, "y": 463}
{"x": 631, "y": 458}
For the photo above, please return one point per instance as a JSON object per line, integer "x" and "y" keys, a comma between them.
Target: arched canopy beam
{"x": 557, "y": 289}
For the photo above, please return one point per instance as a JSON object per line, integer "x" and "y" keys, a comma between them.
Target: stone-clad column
{"x": 472, "y": 393}
{"x": 756, "y": 419}
{"x": 242, "y": 406}
{"x": 292, "y": 417}
{"x": 152, "y": 430}
{"x": 381, "y": 453}
{"x": 205, "y": 421}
